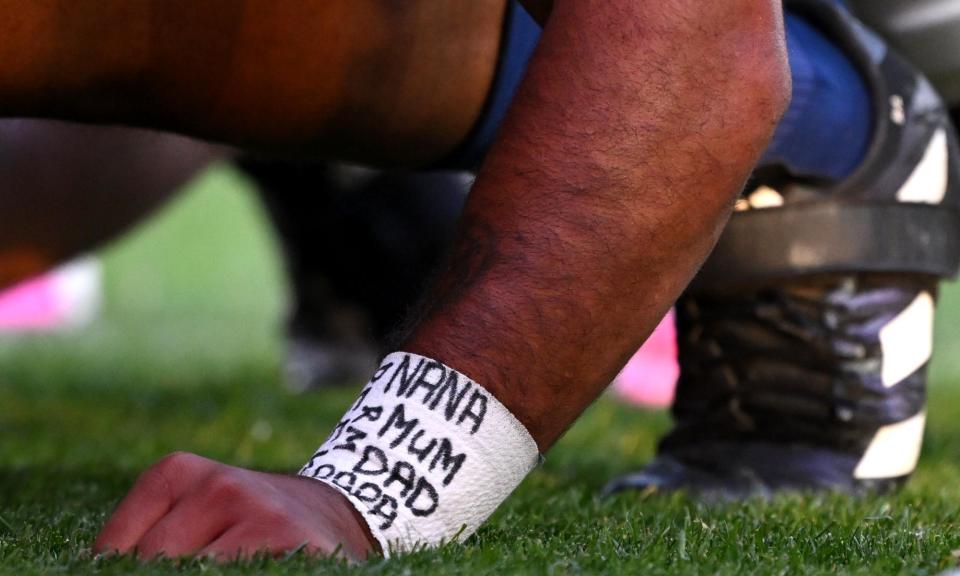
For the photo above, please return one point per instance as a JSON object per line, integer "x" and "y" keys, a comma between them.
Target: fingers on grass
{"x": 245, "y": 541}
{"x": 194, "y": 522}
{"x": 150, "y": 499}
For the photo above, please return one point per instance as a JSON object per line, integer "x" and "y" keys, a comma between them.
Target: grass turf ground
{"x": 186, "y": 358}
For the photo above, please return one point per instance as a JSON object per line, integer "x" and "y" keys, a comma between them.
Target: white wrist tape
{"x": 425, "y": 454}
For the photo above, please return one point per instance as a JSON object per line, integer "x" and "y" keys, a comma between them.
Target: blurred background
{"x": 199, "y": 282}
{"x": 202, "y": 283}
{"x": 187, "y": 346}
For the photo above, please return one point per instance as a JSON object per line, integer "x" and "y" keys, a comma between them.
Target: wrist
{"x": 425, "y": 454}
{"x": 535, "y": 393}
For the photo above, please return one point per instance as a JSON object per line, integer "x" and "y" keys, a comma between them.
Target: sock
{"x": 826, "y": 131}
{"x": 824, "y": 134}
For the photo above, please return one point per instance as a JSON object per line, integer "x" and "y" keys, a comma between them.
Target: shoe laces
{"x": 796, "y": 362}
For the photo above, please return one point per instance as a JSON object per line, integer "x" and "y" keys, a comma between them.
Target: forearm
{"x": 638, "y": 123}
{"x": 608, "y": 187}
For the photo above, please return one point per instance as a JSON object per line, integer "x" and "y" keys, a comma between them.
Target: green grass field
{"x": 186, "y": 357}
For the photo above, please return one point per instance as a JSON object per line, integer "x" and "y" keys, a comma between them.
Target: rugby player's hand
{"x": 186, "y": 505}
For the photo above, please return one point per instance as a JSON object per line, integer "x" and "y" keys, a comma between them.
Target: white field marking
{"x": 928, "y": 183}
{"x": 894, "y": 450}
{"x": 765, "y": 197}
{"x": 906, "y": 343}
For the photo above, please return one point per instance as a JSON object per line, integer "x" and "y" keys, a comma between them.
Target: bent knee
{"x": 767, "y": 81}
{"x": 762, "y": 69}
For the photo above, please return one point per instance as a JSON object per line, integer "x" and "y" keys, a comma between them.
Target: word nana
{"x": 386, "y": 454}
{"x": 431, "y": 383}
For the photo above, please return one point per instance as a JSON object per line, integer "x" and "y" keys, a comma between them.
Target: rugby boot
{"x": 358, "y": 245}
{"x": 804, "y": 341}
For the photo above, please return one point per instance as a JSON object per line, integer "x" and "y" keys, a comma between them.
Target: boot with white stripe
{"x": 818, "y": 384}
{"x": 804, "y": 342}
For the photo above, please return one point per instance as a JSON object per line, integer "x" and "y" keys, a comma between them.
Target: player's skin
{"x": 59, "y": 197}
{"x": 355, "y": 79}
{"x": 636, "y": 126}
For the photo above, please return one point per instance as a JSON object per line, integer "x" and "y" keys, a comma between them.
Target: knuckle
{"x": 225, "y": 487}
{"x": 169, "y": 472}
{"x": 181, "y": 460}
{"x": 177, "y": 464}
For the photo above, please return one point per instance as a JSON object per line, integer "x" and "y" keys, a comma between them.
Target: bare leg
{"x": 64, "y": 189}
{"x": 362, "y": 80}
{"x": 397, "y": 82}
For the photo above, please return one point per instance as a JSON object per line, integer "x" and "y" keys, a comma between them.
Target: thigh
{"x": 376, "y": 80}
